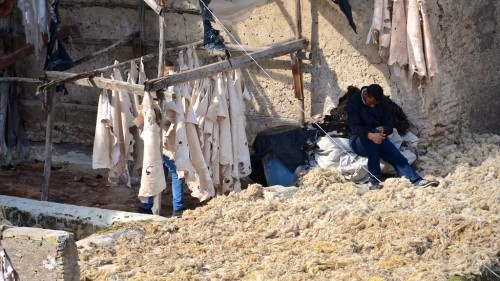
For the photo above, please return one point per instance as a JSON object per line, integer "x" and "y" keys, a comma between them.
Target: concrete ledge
{"x": 41, "y": 254}
{"x": 82, "y": 221}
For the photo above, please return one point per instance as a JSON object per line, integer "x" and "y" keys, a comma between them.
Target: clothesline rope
{"x": 313, "y": 121}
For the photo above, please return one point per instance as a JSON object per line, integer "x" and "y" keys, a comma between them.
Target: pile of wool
{"x": 329, "y": 230}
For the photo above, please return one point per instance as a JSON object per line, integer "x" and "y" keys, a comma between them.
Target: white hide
{"x": 138, "y": 153}
{"x": 374, "y": 33}
{"x": 399, "y": 49}
{"x": 104, "y": 139}
{"x": 415, "y": 44}
{"x": 122, "y": 120}
{"x": 430, "y": 55}
{"x": 153, "y": 178}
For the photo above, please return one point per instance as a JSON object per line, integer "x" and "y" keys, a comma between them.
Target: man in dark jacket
{"x": 370, "y": 120}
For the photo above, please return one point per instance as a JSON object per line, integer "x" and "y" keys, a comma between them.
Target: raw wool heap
{"x": 401, "y": 30}
{"x": 329, "y": 230}
{"x": 206, "y": 133}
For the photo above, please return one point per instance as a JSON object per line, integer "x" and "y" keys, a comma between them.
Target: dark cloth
{"x": 362, "y": 118}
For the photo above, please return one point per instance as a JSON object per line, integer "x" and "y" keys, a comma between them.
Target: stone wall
{"x": 463, "y": 96}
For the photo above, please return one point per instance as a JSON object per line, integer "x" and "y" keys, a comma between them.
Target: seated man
{"x": 370, "y": 121}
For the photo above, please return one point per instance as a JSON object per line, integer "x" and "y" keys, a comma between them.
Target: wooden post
{"x": 161, "y": 54}
{"x": 297, "y": 65}
{"x": 51, "y": 104}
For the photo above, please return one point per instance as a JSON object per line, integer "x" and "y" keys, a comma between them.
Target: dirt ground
{"x": 82, "y": 188}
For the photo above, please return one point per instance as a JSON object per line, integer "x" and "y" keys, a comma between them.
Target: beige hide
{"x": 416, "y": 56}
{"x": 430, "y": 55}
{"x": 122, "y": 120}
{"x": 398, "y": 53}
{"x": 104, "y": 139}
{"x": 378, "y": 13}
{"x": 153, "y": 178}
{"x": 138, "y": 153}
{"x": 385, "y": 32}
{"x": 241, "y": 155}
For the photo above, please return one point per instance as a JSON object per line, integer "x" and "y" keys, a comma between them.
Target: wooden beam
{"x": 97, "y": 82}
{"x": 92, "y": 73}
{"x": 102, "y": 51}
{"x": 297, "y": 65}
{"x": 237, "y": 62}
{"x": 19, "y": 79}
{"x": 74, "y": 4}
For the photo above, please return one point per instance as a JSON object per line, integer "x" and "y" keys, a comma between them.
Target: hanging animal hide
{"x": 385, "y": 31}
{"x": 153, "y": 178}
{"x": 430, "y": 55}
{"x": 399, "y": 49}
{"x": 104, "y": 138}
{"x": 374, "y": 33}
{"x": 415, "y": 44}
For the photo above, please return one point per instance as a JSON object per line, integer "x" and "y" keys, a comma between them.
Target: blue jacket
{"x": 363, "y": 119}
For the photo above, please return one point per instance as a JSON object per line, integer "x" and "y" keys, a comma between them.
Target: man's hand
{"x": 380, "y": 129}
{"x": 376, "y": 137}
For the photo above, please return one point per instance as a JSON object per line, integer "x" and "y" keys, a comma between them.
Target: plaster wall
{"x": 463, "y": 97}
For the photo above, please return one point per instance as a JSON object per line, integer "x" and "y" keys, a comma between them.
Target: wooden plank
{"x": 97, "y": 82}
{"x": 19, "y": 79}
{"x": 74, "y": 4}
{"x": 237, "y": 62}
{"x": 297, "y": 65}
{"x": 92, "y": 73}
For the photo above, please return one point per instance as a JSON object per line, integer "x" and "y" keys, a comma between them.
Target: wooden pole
{"x": 297, "y": 65}
{"x": 96, "y": 72}
{"x": 236, "y": 62}
{"x": 51, "y": 96}
{"x": 161, "y": 53}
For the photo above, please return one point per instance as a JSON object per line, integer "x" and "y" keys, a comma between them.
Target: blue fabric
{"x": 387, "y": 151}
{"x": 177, "y": 184}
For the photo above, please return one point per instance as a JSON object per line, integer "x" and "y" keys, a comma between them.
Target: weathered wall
{"x": 464, "y": 95}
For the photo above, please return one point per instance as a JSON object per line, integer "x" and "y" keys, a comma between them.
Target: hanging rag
{"x": 57, "y": 58}
{"x": 212, "y": 40}
{"x": 345, "y": 7}
{"x": 35, "y": 21}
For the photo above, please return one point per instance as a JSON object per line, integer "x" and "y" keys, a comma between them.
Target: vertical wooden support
{"x": 51, "y": 105}
{"x": 161, "y": 53}
{"x": 297, "y": 65}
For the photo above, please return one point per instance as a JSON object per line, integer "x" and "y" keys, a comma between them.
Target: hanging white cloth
{"x": 122, "y": 120}
{"x": 153, "y": 178}
{"x": 35, "y": 20}
{"x": 104, "y": 138}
